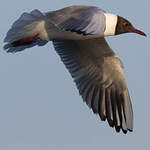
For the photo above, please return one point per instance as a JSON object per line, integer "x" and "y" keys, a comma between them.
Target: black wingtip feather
{"x": 130, "y": 130}
{"x": 124, "y": 131}
{"x": 111, "y": 122}
{"x": 117, "y": 128}
{"x": 102, "y": 117}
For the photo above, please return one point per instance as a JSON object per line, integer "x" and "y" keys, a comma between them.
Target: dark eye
{"x": 126, "y": 24}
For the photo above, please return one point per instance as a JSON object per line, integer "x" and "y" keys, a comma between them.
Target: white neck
{"x": 111, "y": 23}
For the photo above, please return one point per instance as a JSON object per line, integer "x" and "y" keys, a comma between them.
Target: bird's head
{"x": 124, "y": 26}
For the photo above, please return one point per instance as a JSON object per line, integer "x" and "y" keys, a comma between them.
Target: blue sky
{"x": 40, "y": 108}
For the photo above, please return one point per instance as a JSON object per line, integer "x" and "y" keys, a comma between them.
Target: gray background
{"x": 40, "y": 108}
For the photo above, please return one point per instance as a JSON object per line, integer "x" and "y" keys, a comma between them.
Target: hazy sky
{"x": 40, "y": 108}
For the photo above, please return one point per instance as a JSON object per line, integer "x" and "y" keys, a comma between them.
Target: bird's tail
{"x": 28, "y": 31}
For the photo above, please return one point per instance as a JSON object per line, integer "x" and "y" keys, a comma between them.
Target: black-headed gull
{"x": 77, "y": 33}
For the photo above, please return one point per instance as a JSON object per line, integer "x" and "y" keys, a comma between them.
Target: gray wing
{"x": 80, "y": 19}
{"x": 98, "y": 75}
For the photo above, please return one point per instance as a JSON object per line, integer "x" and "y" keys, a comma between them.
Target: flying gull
{"x": 77, "y": 33}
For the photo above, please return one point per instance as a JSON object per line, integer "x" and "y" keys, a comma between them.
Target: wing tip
{"x": 114, "y": 125}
